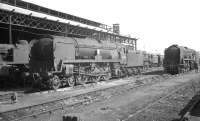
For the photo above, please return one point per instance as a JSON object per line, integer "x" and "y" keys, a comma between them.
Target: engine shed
{"x": 20, "y": 20}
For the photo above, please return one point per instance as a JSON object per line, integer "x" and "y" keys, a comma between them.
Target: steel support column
{"x": 10, "y": 29}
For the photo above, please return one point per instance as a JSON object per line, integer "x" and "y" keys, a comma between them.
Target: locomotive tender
{"x": 179, "y": 59}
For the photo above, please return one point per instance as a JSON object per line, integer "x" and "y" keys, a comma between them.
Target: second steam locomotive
{"x": 179, "y": 59}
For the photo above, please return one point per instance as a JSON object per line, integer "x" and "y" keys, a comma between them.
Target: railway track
{"x": 6, "y": 96}
{"x": 5, "y": 93}
{"x": 160, "y": 99}
{"x": 61, "y": 104}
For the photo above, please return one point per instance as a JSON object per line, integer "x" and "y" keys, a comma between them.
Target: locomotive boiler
{"x": 178, "y": 59}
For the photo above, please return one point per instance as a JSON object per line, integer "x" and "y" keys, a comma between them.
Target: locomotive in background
{"x": 14, "y": 60}
{"x": 179, "y": 59}
{"x": 152, "y": 60}
{"x": 56, "y": 61}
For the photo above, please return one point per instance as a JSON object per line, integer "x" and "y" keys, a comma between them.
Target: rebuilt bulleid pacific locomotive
{"x": 179, "y": 59}
{"x": 57, "y": 61}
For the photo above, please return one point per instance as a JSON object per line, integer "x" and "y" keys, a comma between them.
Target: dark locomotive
{"x": 179, "y": 59}
{"x": 58, "y": 61}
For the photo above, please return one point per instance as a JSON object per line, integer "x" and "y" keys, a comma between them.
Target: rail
{"x": 58, "y": 104}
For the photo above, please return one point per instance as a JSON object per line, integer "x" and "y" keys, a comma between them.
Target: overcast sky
{"x": 157, "y": 23}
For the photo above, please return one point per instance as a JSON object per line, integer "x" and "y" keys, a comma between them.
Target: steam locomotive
{"x": 179, "y": 59}
{"x": 14, "y": 61}
{"x": 57, "y": 61}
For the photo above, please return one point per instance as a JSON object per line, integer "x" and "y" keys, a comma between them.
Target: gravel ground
{"x": 92, "y": 97}
{"x": 128, "y": 102}
{"x": 39, "y": 98}
{"x": 128, "y": 105}
{"x": 168, "y": 109}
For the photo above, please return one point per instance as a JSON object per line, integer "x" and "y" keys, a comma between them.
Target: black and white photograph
{"x": 105, "y": 60}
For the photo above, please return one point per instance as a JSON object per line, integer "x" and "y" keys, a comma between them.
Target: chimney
{"x": 116, "y": 28}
